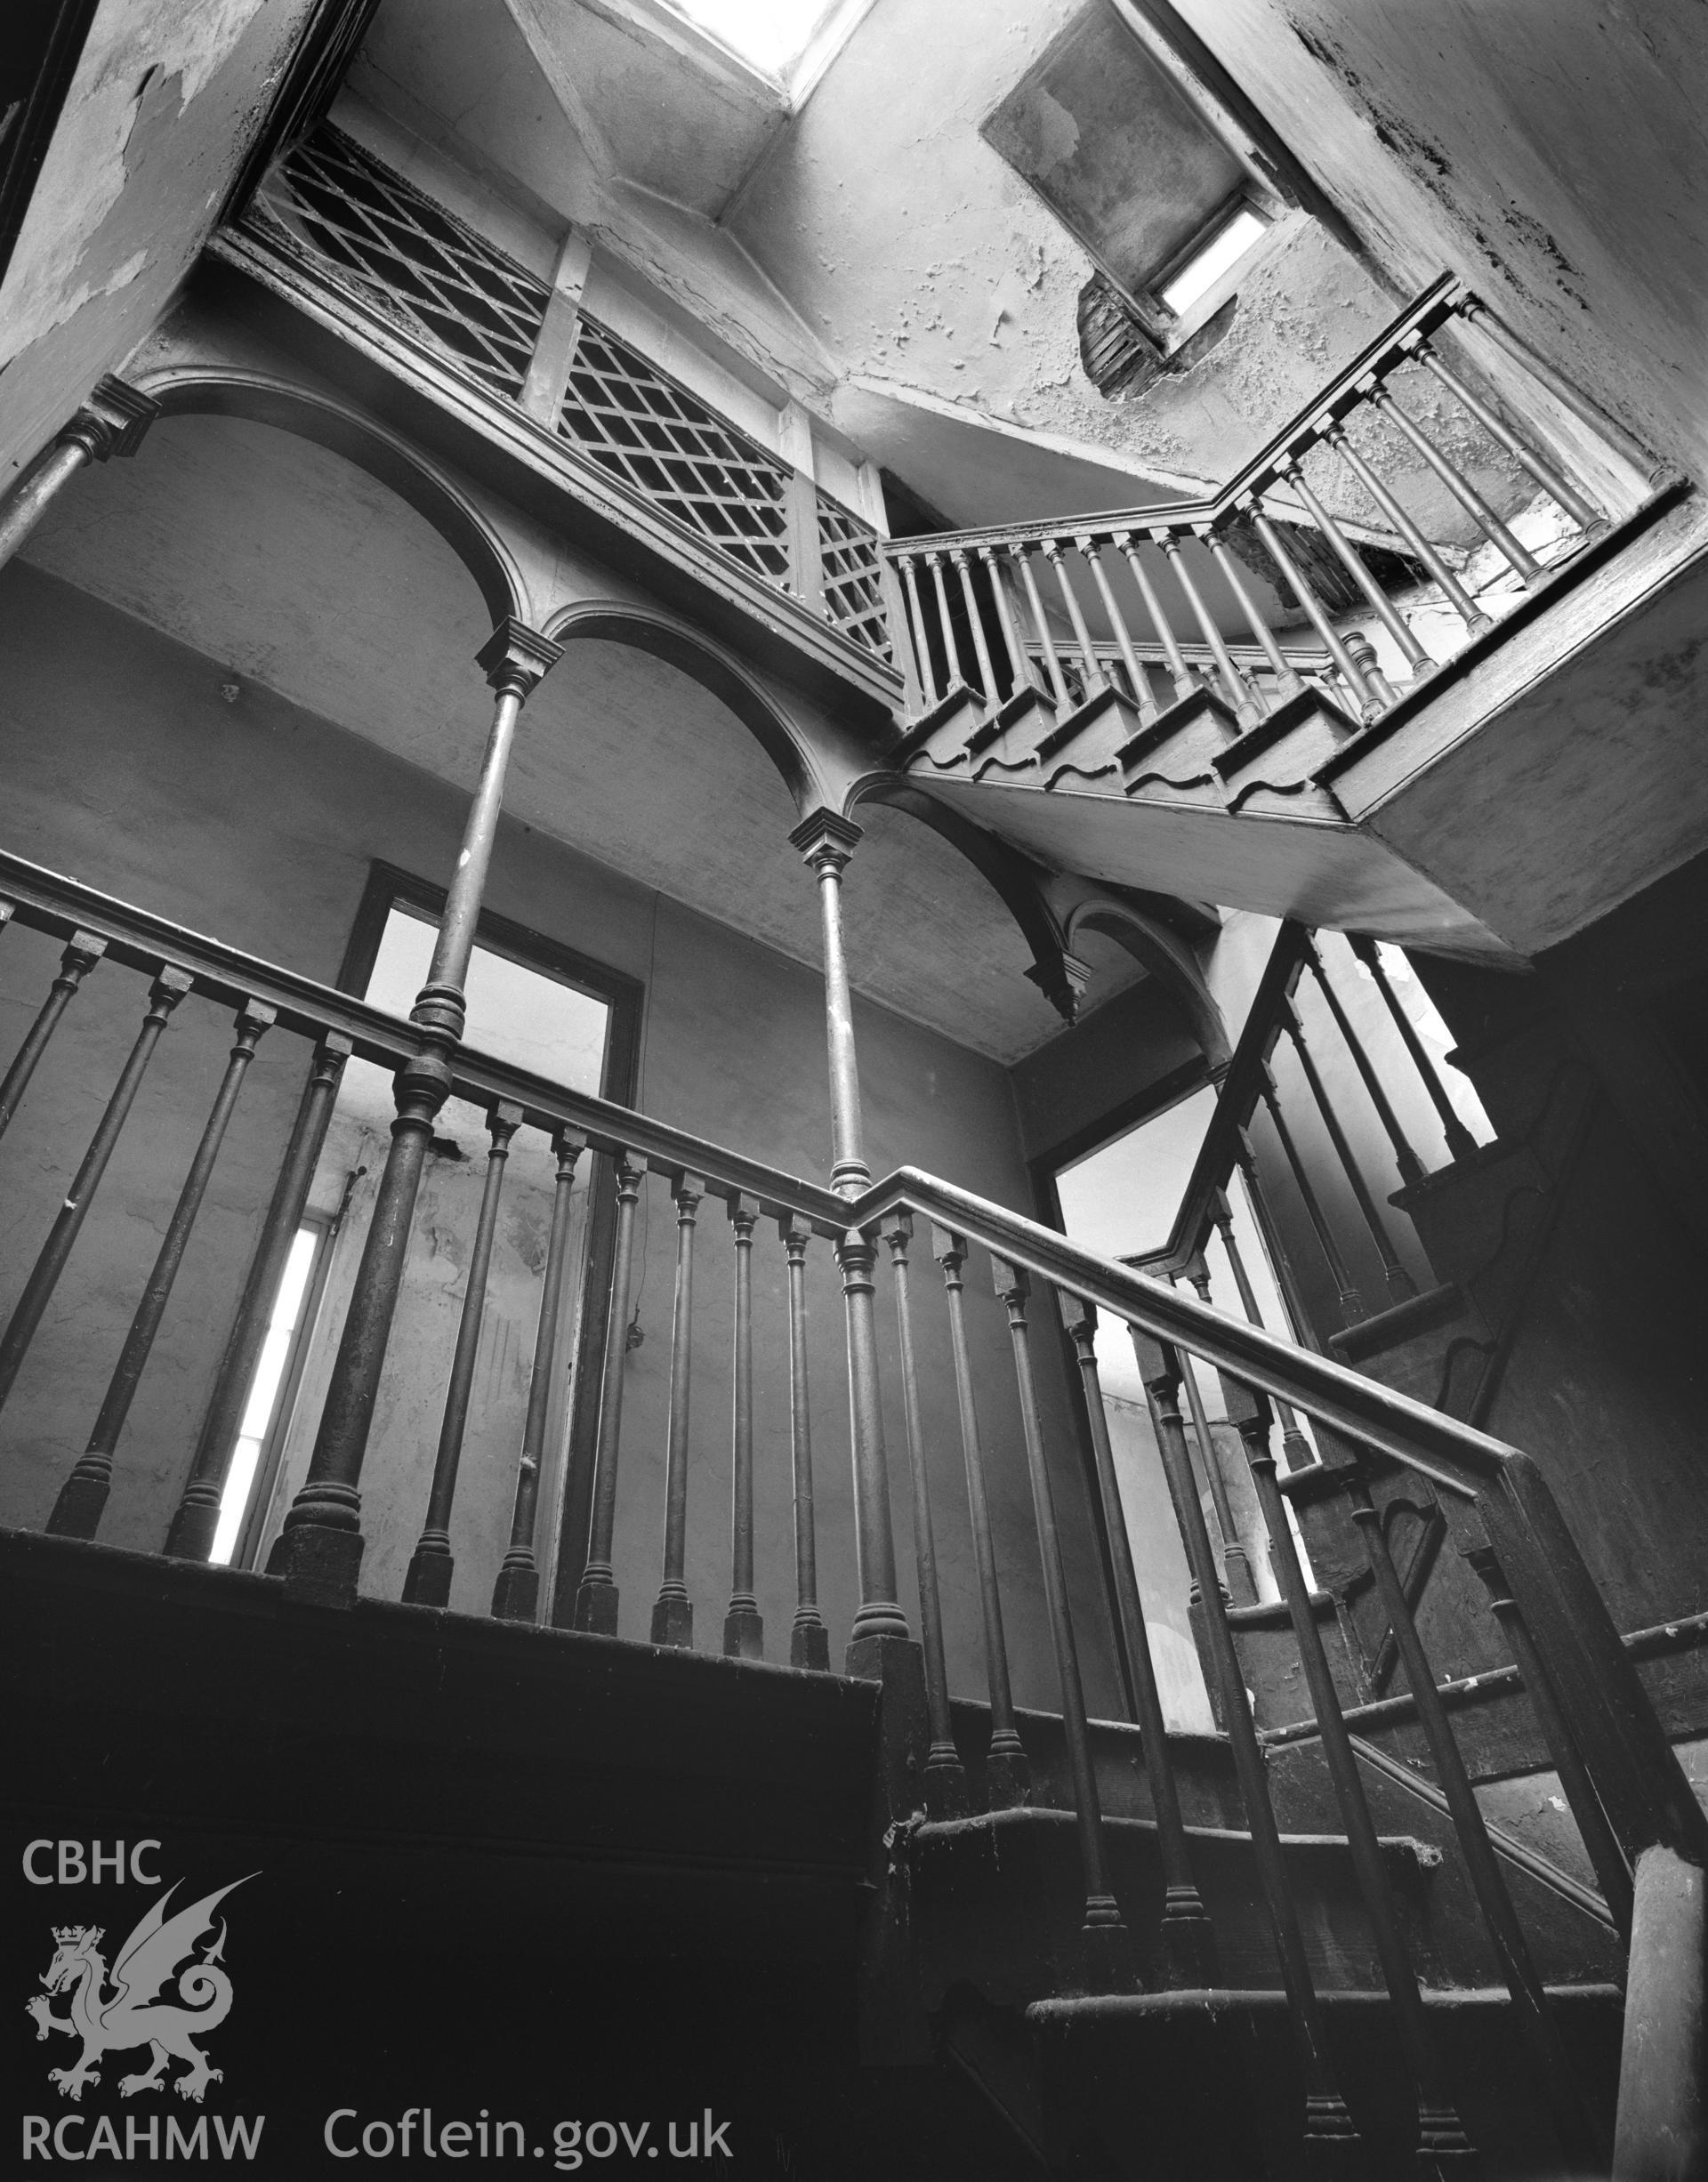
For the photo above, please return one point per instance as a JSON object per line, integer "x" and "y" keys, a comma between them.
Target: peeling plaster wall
{"x": 1555, "y": 157}
{"x": 165, "y": 104}
{"x": 257, "y": 820}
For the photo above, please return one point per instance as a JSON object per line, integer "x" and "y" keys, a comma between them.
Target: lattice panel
{"x": 663, "y": 442}
{"x": 368, "y": 230}
{"x": 853, "y": 594}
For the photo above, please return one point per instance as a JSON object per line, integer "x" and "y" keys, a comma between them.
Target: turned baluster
{"x": 744, "y": 1629}
{"x": 318, "y": 1551}
{"x": 1401, "y": 1287}
{"x": 164, "y": 994}
{"x": 597, "y": 1594}
{"x": 1600, "y": 1843}
{"x": 197, "y": 1518}
{"x": 951, "y": 650}
{"x": 428, "y": 1580}
{"x": 976, "y": 622}
{"x": 1351, "y": 1302}
{"x": 1052, "y": 665}
{"x": 1103, "y": 1938}
{"x": 1186, "y": 678}
{"x": 1287, "y": 681}
{"x": 1294, "y": 1446}
{"x": 1096, "y": 677}
{"x": 1545, "y": 474}
{"x": 1237, "y": 1585}
{"x": 945, "y": 1780}
{"x": 1187, "y": 1942}
{"x": 1329, "y": 2131}
{"x": 1441, "y": 2140}
{"x": 1411, "y": 1167}
{"x": 82, "y": 951}
{"x": 922, "y": 638}
{"x": 1364, "y": 653}
{"x": 1578, "y": 2139}
{"x": 672, "y": 1612}
{"x": 1090, "y": 552}
{"x": 1368, "y": 704}
{"x": 1020, "y": 668}
{"x": 1241, "y": 696}
{"x": 77, "y": 1511}
{"x": 1461, "y": 1143}
{"x": 1522, "y": 562}
{"x": 1007, "y": 1770}
{"x": 808, "y": 1638}
{"x": 1473, "y": 617}
{"x": 516, "y": 1594}
{"x": 1352, "y": 560}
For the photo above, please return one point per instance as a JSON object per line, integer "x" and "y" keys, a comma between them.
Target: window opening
{"x": 1214, "y": 257}
{"x": 286, "y": 1318}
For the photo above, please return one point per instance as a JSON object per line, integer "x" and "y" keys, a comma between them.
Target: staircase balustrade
{"x": 1640, "y": 1819}
{"x": 1180, "y": 586}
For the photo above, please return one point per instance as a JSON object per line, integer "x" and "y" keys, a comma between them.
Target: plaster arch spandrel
{"x": 816, "y": 759}
{"x": 474, "y": 533}
{"x": 1083, "y": 907}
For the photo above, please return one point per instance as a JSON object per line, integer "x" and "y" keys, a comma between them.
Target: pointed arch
{"x": 260, "y": 397}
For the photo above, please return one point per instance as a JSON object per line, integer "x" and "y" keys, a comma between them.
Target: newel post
{"x": 111, "y": 421}
{"x": 318, "y": 1552}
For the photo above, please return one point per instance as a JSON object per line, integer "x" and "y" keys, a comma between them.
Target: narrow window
{"x": 279, "y": 1352}
{"x": 1212, "y": 258}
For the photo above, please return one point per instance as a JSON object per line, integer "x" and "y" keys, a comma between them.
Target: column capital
{"x": 826, "y": 840}
{"x": 515, "y": 658}
{"x": 110, "y": 421}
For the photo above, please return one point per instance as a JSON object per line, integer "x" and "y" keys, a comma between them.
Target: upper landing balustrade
{"x": 333, "y": 224}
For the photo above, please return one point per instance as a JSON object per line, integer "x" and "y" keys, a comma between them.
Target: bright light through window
{"x": 1224, "y": 247}
{"x": 263, "y": 1393}
{"x": 770, "y": 33}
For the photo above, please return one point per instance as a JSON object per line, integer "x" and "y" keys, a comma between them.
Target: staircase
{"x": 1124, "y": 696}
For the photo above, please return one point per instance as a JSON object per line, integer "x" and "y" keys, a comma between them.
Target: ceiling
{"x": 287, "y": 566}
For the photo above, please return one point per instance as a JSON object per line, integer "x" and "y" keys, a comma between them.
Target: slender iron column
{"x": 516, "y": 1594}
{"x": 1188, "y": 1941}
{"x": 164, "y": 994}
{"x": 1008, "y": 1772}
{"x": 77, "y": 1511}
{"x": 432, "y": 1565}
{"x": 82, "y": 951}
{"x": 743, "y": 1630}
{"x": 111, "y": 421}
{"x": 1461, "y": 1143}
{"x": 1401, "y": 1287}
{"x": 1331, "y": 2141}
{"x": 1442, "y": 2148}
{"x": 1411, "y": 1167}
{"x": 1579, "y": 2139}
{"x": 597, "y": 1598}
{"x": 808, "y": 1638}
{"x": 1105, "y": 1941}
{"x": 318, "y": 1552}
{"x": 672, "y": 1611}
{"x": 827, "y": 843}
{"x": 197, "y": 1518}
{"x": 946, "y": 1781}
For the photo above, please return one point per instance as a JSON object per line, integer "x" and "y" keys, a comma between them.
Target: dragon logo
{"x": 132, "y": 2014}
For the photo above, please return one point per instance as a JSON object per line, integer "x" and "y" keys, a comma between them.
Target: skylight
{"x": 772, "y": 36}
{"x": 1201, "y": 272}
